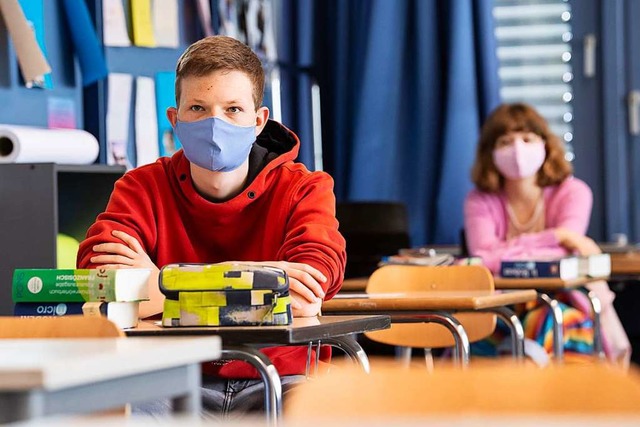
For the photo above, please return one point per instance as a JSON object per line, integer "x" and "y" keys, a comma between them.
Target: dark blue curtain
{"x": 295, "y": 65}
{"x": 405, "y": 86}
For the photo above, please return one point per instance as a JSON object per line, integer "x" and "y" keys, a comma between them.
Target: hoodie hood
{"x": 278, "y": 141}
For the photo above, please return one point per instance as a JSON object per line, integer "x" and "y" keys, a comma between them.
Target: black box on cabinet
{"x": 40, "y": 200}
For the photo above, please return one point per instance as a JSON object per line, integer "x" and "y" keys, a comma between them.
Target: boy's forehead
{"x": 220, "y": 81}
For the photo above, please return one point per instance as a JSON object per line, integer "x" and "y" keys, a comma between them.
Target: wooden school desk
{"x": 41, "y": 377}
{"x": 237, "y": 344}
{"x": 438, "y": 306}
{"x": 625, "y": 265}
{"x": 545, "y": 286}
{"x": 356, "y": 284}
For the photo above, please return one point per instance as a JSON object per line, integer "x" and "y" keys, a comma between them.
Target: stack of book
{"x": 115, "y": 294}
{"x": 566, "y": 268}
{"x": 428, "y": 256}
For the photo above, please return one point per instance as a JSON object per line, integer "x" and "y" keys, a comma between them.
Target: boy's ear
{"x": 172, "y": 115}
{"x": 262, "y": 115}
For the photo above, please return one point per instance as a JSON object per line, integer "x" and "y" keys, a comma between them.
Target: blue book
{"x": 123, "y": 314}
{"x": 47, "y": 308}
{"x": 562, "y": 268}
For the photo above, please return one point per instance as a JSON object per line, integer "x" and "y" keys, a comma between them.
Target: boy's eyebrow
{"x": 233, "y": 101}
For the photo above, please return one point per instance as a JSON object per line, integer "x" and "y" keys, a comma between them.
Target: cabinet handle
{"x": 590, "y": 55}
{"x": 633, "y": 103}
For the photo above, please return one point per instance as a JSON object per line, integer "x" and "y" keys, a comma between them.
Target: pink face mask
{"x": 520, "y": 159}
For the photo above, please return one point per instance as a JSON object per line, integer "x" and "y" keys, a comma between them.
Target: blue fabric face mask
{"x": 214, "y": 144}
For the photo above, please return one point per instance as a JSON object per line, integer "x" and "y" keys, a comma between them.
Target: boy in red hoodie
{"x": 233, "y": 193}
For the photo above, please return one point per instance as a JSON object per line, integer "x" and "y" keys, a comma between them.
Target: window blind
{"x": 534, "y": 57}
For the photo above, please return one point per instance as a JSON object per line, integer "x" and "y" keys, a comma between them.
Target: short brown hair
{"x": 517, "y": 117}
{"x": 221, "y": 53}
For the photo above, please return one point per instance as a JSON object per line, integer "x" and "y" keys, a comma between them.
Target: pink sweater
{"x": 567, "y": 205}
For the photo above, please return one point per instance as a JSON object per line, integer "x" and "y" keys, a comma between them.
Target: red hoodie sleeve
{"x": 129, "y": 210}
{"x": 312, "y": 235}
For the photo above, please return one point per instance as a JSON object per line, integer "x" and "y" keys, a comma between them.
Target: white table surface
{"x": 53, "y": 364}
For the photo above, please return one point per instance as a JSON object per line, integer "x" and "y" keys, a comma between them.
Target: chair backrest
{"x": 372, "y": 230}
{"x": 58, "y": 327}
{"x": 414, "y": 278}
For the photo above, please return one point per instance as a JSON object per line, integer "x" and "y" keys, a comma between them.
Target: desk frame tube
{"x": 461, "y": 355}
{"x": 269, "y": 375}
{"x": 596, "y": 310}
{"x": 558, "y": 325}
{"x": 352, "y": 348}
{"x": 515, "y": 326}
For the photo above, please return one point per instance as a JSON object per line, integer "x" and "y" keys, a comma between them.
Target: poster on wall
{"x": 259, "y": 25}
{"x": 228, "y": 14}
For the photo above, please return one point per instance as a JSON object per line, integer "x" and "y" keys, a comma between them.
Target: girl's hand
{"x": 576, "y": 242}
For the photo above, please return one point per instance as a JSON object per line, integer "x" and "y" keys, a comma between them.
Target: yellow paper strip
{"x": 142, "y": 23}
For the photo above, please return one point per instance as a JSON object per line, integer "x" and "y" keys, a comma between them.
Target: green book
{"x": 95, "y": 285}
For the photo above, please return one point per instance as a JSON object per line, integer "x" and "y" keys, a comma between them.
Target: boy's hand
{"x": 304, "y": 280}
{"x": 300, "y": 307}
{"x": 131, "y": 255}
{"x": 118, "y": 255}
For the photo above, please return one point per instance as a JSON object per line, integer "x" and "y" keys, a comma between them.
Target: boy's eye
{"x": 196, "y": 108}
{"x": 234, "y": 109}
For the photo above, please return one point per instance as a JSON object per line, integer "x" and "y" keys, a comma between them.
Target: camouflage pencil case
{"x": 224, "y": 294}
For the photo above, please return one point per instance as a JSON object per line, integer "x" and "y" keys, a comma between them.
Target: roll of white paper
{"x": 24, "y": 144}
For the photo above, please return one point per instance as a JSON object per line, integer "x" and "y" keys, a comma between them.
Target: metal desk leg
{"x": 191, "y": 402}
{"x": 20, "y": 406}
{"x": 558, "y": 324}
{"x": 515, "y": 326}
{"x": 352, "y": 348}
{"x": 268, "y": 373}
{"x": 596, "y": 309}
{"x": 451, "y": 323}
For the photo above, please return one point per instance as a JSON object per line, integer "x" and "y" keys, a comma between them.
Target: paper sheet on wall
{"x": 26, "y": 144}
{"x": 118, "y": 116}
{"x": 165, "y": 23}
{"x": 147, "y": 150}
{"x": 61, "y": 113}
{"x": 33, "y": 64}
{"x": 85, "y": 42}
{"x": 168, "y": 142}
{"x": 114, "y": 27}
{"x": 141, "y": 23}
{"x": 204, "y": 15}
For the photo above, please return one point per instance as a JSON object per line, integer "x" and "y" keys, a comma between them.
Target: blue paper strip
{"x": 168, "y": 141}
{"x": 85, "y": 42}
